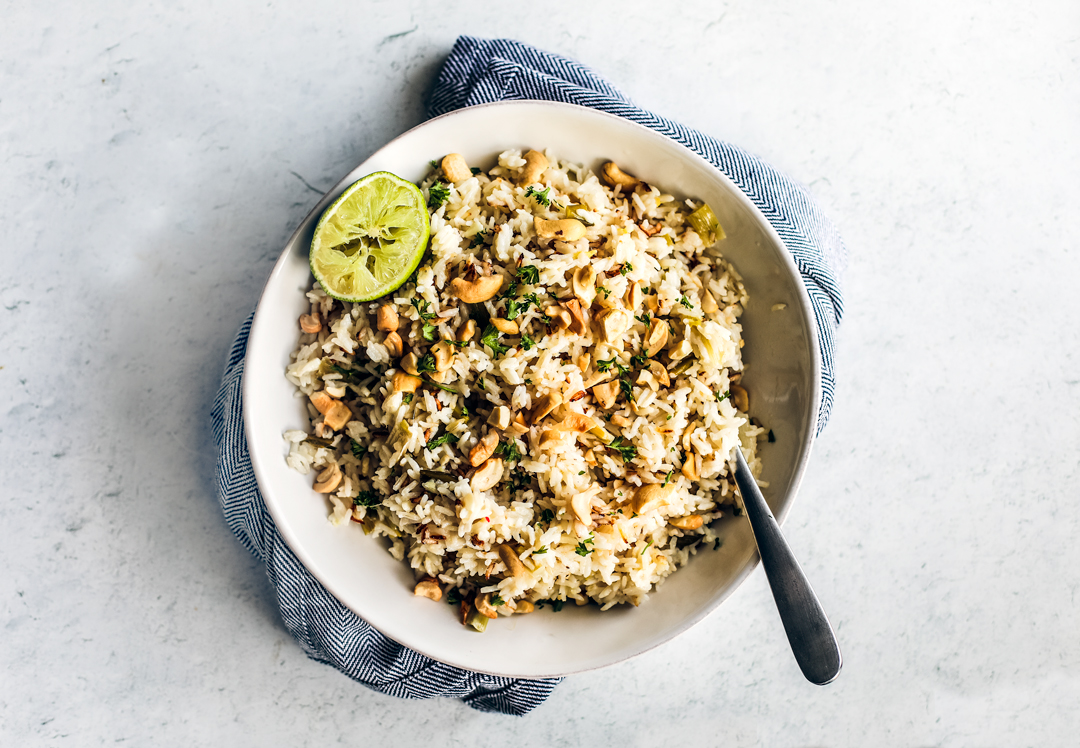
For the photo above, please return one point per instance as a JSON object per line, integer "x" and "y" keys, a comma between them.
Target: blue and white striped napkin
{"x": 479, "y": 71}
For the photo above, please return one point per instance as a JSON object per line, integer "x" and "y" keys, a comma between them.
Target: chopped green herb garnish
{"x": 319, "y": 442}
{"x": 508, "y": 451}
{"x": 427, "y": 363}
{"x": 453, "y": 597}
{"x": 358, "y": 449}
{"x": 434, "y": 164}
{"x": 721, "y": 398}
{"x": 581, "y": 472}
{"x": 626, "y": 450}
{"x": 540, "y": 551}
{"x": 529, "y": 274}
{"x": 603, "y": 366}
{"x": 667, "y": 478}
{"x": 496, "y": 600}
{"x": 626, "y": 388}
{"x": 422, "y": 306}
{"x": 475, "y": 170}
{"x": 542, "y": 196}
{"x": 645, "y": 548}
{"x": 438, "y": 194}
{"x": 626, "y": 268}
{"x": 515, "y": 308}
{"x": 556, "y": 605}
{"x": 582, "y": 548}
{"x": 442, "y": 439}
{"x": 478, "y": 239}
{"x": 368, "y": 499}
{"x": 490, "y": 338}
{"x": 407, "y": 398}
{"x": 639, "y": 360}
{"x": 547, "y": 516}
{"x": 685, "y": 302}
{"x": 606, "y": 291}
{"x": 644, "y": 319}
{"x": 526, "y": 342}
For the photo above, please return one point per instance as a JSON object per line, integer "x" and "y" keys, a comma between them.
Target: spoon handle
{"x": 809, "y": 633}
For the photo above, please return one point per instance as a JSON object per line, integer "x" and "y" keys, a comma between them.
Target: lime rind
{"x": 371, "y": 239}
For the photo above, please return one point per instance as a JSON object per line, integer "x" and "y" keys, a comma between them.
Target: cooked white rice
{"x": 445, "y": 525}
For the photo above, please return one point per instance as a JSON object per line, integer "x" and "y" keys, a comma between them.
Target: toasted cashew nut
{"x": 634, "y": 296}
{"x": 405, "y": 382}
{"x": 657, "y": 337}
{"x": 692, "y": 467}
{"x": 535, "y": 163}
{"x": 310, "y": 323}
{"x": 467, "y": 331}
{"x": 614, "y": 176}
{"x": 455, "y": 168}
{"x": 387, "y": 318}
{"x": 481, "y": 289}
{"x": 505, "y": 326}
{"x": 566, "y": 229}
{"x": 582, "y": 506}
{"x": 335, "y": 413}
{"x": 577, "y": 316}
{"x": 518, "y": 426}
{"x": 429, "y": 588}
{"x": 328, "y": 479}
{"x": 740, "y": 397}
{"x": 335, "y": 390}
{"x": 660, "y": 372}
{"x": 510, "y": 558}
{"x": 522, "y": 607}
{"x": 577, "y": 422}
{"x": 559, "y": 316}
{"x": 444, "y": 356}
{"x": 689, "y": 522}
{"x": 651, "y": 496}
{"x": 500, "y": 417}
{"x": 484, "y": 448}
{"x": 545, "y": 405}
{"x": 613, "y": 323}
{"x": 487, "y": 475}
{"x": 409, "y": 364}
{"x": 606, "y": 394}
{"x": 585, "y": 284}
{"x": 708, "y": 303}
{"x": 394, "y": 345}
{"x": 483, "y": 605}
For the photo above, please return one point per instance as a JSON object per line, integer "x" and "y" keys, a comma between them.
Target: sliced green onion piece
{"x": 706, "y": 223}
{"x": 477, "y": 620}
{"x": 573, "y": 211}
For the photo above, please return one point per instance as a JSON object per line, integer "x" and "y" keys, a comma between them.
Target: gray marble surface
{"x": 154, "y": 160}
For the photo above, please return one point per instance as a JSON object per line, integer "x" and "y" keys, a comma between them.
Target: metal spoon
{"x": 809, "y": 633}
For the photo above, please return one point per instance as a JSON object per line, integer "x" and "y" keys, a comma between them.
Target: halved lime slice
{"x": 371, "y": 239}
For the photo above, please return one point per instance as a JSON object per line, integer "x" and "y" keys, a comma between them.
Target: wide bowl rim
{"x": 299, "y": 549}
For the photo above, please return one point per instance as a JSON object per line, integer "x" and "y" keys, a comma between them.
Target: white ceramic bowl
{"x": 782, "y": 376}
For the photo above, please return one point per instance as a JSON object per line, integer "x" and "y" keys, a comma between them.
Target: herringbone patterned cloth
{"x": 480, "y": 71}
